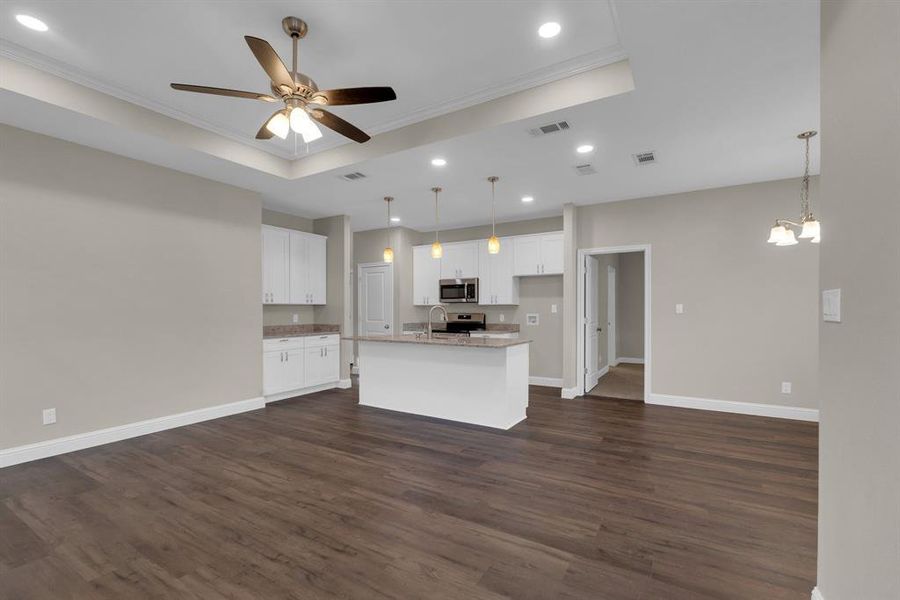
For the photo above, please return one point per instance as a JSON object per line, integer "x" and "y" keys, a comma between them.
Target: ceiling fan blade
{"x": 263, "y": 133}
{"x": 269, "y": 61}
{"x": 340, "y": 125}
{"x": 202, "y": 89}
{"x": 360, "y": 95}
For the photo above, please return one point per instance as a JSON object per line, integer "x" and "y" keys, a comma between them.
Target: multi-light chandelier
{"x": 782, "y": 233}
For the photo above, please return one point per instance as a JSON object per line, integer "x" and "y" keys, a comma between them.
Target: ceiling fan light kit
{"x": 302, "y": 98}
{"x": 782, "y": 233}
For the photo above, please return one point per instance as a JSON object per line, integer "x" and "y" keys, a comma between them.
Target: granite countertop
{"x": 460, "y": 341}
{"x": 308, "y": 329}
{"x": 489, "y": 327}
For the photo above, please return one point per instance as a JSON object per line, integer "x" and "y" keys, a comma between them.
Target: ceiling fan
{"x": 301, "y": 96}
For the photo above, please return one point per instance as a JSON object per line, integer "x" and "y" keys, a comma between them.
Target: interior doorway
{"x": 614, "y": 328}
{"x": 376, "y": 299}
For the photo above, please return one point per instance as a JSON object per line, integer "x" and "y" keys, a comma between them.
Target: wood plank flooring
{"x": 318, "y": 497}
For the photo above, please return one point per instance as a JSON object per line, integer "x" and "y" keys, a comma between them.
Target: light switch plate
{"x": 502, "y": 317}
{"x": 532, "y": 319}
{"x": 785, "y": 387}
{"x": 295, "y": 318}
{"x": 49, "y": 416}
{"x": 679, "y": 309}
{"x": 831, "y": 305}
{"x": 553, "y": 308}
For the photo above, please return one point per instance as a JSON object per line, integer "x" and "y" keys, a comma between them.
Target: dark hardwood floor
{"x": 319, "y": 498}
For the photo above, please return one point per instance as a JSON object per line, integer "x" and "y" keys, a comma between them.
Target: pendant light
{"x": 388, "y": 251}
{"x": 782, "y": 233}
{"x": 493, "y": 242}
{"x": 437, "y": 250}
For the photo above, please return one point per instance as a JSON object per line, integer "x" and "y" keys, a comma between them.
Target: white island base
{"x": 473, "y": 383}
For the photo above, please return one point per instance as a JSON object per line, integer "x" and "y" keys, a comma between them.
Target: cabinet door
{"x": 275, "y": 261}
{"x": 426, "y": 275}
{"x": 273, "y": 372}
{"x": 505, "y": 285}
{"x": 527, "y": 255}
{"x": 314, "y": 364}
{"x": 317, "y": 268}
{"x": 299, "y": 269}
{"x": 331, "y": 365}
{"x": 486, "y": 269}
{"x": 294, "y": 370}
{"x": 460, "y": 260}
{"x": 552, "y": 254}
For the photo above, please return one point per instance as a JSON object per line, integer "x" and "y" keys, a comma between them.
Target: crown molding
{"x": 579, "y": 64}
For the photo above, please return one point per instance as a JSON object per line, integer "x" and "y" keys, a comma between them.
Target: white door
{"x": 426, "y": 276}
{"x": 316, "y": 268}
{"x": 592, "y": 323}
{"x": 611, "y": 318}
{"x": 299, "y": 269}
{"x": 527, "y": 255}
{"x": 552, "y": 254}
{"x": 376, "y": 299}
{"x": 275, "y": 262}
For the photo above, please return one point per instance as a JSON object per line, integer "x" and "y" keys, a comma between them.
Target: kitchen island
{"x": 472, "y": 380}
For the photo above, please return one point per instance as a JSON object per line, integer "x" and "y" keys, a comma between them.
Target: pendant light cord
{"x": 437, "y": 226}
{"x": 804, "y": 186}
{"x": 493, "y": 220}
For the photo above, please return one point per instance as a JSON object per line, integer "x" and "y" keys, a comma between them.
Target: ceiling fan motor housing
{"x": 294, "y": 26}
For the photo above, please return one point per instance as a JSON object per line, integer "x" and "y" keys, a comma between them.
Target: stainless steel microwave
{"x": 459, "y": 290}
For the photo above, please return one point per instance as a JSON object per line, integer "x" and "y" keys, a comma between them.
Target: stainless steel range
{"x": 465, "y": 323}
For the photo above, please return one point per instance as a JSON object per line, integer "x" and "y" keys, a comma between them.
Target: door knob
{"x": 387, "y": 325}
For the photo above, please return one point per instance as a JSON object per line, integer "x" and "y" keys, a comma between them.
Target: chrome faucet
{"x": 431, "y": 312}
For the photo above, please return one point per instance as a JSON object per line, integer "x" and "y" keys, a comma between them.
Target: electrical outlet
{"x": 553, "y": 308}
{"x": 785, "y": 387}
{"x": 679, "y": 309}
{"x": 295, "y": 317}
{"x": 49, "y": 416}
{"x": 502, "y": 317}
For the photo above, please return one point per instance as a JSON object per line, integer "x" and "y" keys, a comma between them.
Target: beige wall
{"x": 129, "y": 291}
{"x": 749, "y": 320}
{"x": 630, "y": 305}
{"x": 859, "y": 435}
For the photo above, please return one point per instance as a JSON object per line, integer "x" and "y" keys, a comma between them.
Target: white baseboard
{"x": 302, "y": 391}
{"x": 80, "y": 441}
{"x": 629, "y": 360}
{"x": 603, "y": 371}
{"x": 345, "y": 384}
{"x": 817, "y": 595}
{"x": 743, "y": 408}
{"x": 569, "y": 393}
{"x": 547, "y": 381}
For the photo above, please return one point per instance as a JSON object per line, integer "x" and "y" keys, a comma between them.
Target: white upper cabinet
{"x": 275, "y": 265}
{"x": 496, "y": 282}
{"x": 460, "y": 260}
{"x": 540, "y": 254}
{"x": 294, "y": 266}
{"x": 426, "y": 274}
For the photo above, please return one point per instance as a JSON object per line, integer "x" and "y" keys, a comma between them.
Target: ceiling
{"x": 720, "y": 91}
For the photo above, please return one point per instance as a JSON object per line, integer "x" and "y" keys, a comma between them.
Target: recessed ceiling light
{"x": 549, "y": 30}
{"x": 395, "y": 219}
{"x": 32, "y": 22}
{"x": 527, "y": 199}
{"x": 438, "y": 162}
{"x": 584, "y": 149}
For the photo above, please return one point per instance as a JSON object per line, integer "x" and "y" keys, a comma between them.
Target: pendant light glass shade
{"x": 493, "y": 244}
{"x": 302, "y": 123}
{"x": 810, "y": 229}
{"x": 776, "y": 233}
{"x": 437, "y": 251}
{"x": 279, "y": 125}
{"x": 787, "y": 239}
{"x": 388, "y": 254}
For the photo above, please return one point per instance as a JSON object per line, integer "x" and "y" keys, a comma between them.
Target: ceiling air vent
{"x": 644, "y": 158}
{"x": 585, "y": 169}
{"x": 549, "y": 128}
{"x": 352, "y": 176}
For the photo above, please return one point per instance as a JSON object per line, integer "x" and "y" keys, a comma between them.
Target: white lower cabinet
{"x": 295, "y": 363}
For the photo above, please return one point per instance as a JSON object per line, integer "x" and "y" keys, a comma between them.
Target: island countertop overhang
{"x": 461, "y": 342}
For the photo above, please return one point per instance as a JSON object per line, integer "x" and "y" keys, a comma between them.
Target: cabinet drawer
{"x": 283, "y": 344}
{"x": 328, "y": 339}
